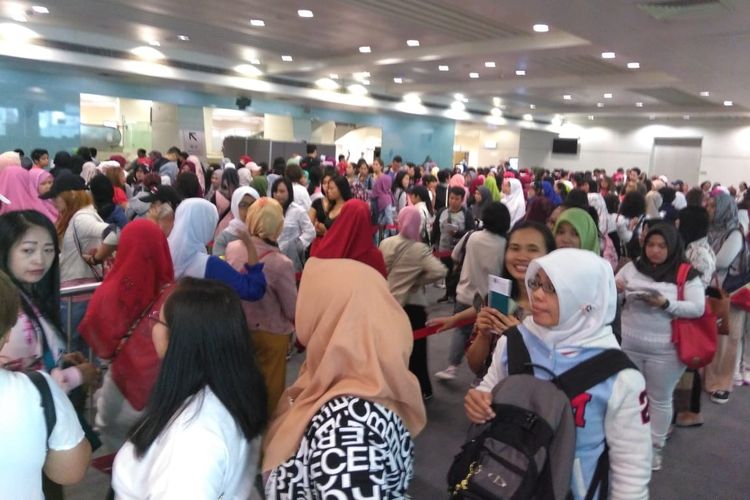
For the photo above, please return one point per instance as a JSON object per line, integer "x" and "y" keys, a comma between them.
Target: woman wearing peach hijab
{"x": 354, "y": 384}
{"x": 10, "y": 159}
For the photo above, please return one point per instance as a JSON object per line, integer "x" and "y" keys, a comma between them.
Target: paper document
{"x": 499, "y": 295}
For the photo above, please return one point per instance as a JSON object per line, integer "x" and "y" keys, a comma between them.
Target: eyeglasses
{"x": 153, "y": 317}
{"x": 535, "y": 284}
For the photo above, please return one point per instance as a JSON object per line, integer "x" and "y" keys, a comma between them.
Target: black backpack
{"x": 527, "y": 450}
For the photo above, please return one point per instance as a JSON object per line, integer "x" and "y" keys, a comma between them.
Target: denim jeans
{"x": 459, "y": 339}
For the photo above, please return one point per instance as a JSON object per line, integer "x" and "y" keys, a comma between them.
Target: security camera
{"x": 243, "y": 102}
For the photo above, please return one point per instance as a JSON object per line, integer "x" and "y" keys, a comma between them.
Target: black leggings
{"x": 418, "y": 360}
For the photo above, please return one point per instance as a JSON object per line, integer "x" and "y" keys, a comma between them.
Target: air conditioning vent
{"x": 675, "y": 9}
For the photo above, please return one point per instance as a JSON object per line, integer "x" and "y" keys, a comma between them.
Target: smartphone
{"x": 478, "y": 302}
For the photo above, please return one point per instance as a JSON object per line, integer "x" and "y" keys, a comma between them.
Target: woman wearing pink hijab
{"x": 15, "y": 185}
{"x": 40, "y": 181}
{"x": 458, "y": 180}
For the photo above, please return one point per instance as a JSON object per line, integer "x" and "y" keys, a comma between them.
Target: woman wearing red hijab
{"x": 118, "y": 325}
{"x": 351, "y": 238}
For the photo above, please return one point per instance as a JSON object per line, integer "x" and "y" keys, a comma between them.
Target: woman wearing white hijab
{"x": 570, "y": 323}
{"x": 514, "y": 200}
{"x": 195, "y": 221}
{"x": 245, "y": 176}
{"x": 242, "y": 198}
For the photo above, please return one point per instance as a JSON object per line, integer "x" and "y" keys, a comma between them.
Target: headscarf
{"x": 88, "y": 171}
{"x": 10, "y": 159}
{"x": 15, "y": 185}
{"x": 726, "y": 220}
{"x": 36, "y": 177}
{"x": 667, "y": 270}
{"x": 336, "y": 299}
{"x": 200, "y": 171}
{"x": 102, "y": 191}
{"x": 491, "y": 184}
{"x": 142, "y": 267}
{"x": 653, "y": 204}
{"x": 265, "y": 219}
{"x": 540, "y": 208}
{"x": 549, "y": 192}
{"x": 515, "y": 201}
{"x": 475, "y": 183}
{"x": 382, "y": 192}
{"x": 477, "y": 209}
{"x": 409, "y": 223}
{"x": 585, "y": 288}
{"x": 457, "y": 181}
{"x": 119, "y": 159}
{"x": 245, "y": 176}
{"x": 194, "y": 224}
{"x": 236, "y": 225}
{"x": 350, "y": 237}
{"x": 584, "y": 225}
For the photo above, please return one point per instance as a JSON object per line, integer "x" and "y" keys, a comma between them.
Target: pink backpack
{"x": 609, "y": 253}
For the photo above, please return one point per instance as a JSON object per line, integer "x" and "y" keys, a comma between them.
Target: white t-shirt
{"x": 23, "y": 434}
{"x": 301, "y": 196}
{"x": 202, "y": 454}
{"x": 485, "y": 252}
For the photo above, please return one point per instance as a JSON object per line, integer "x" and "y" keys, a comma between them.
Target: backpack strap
{"x": 682, "y": 275}
{"x": 519, "y": 360}
{"x": 600, "y": 479}
{"x": 591, "y": 372}
{"x": 48, "y": 404}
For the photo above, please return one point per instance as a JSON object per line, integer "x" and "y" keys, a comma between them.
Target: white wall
{"x": 474, "y": 139}
{"x": 360, "y": 143}
{"x": 610, "y": 144}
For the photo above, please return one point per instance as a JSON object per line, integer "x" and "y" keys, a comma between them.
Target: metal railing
{"x": 67, "y": 294}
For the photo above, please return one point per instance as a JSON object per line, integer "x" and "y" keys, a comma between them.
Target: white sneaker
{"x": 656, "y": 459}
{"x": 447, "y": 374}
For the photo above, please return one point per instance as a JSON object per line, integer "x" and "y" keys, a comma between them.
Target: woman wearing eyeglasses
{"x": 570, "y": 323}
{"x": 118, "y": 325}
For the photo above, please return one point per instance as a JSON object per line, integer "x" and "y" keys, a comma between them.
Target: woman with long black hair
{"x": 298, "y": 232}
{"x": 199, "y": 435}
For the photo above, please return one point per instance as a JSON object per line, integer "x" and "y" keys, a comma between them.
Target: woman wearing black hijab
{"x": 649, "y": 287}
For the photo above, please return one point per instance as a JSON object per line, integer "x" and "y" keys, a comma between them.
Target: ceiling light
{"x": 705, "y": 93}
{"x": 489, "y": 64}
{"x": 528, "y": 117}
{"x": 685, "y": 117}
{"x": 443, "y": 67}
{"x": 333, "y": 76}
{"x": 599, "y": 104}
{"x": 365, "y": 49}
{"x": 248, "y": 70}
{"x": 639, "y": 105}
{"x": 305, "y": 13}
{"x": 520, "y": 72}
{"x": 608, "y": 55}
{"x": 357, "y": 89}
{"x": 148, "y": 53}
{"x": 412, "y": 43}
{"x": 608, "y": 95}
{"x": 19, "y": 17}
{"x": 496, "y": 101}
{"x": 652, "y": 117}
{"x": 541, "y": 28}
{"x": 473, "y": 75}
{"x": 458, "y": 106}
{"x": 16, "y": 33}
{"x": 497, "y": 112}
{"x": 634, "y": 65}
{"x": 327, "y": 84}
{"x": 728, "y": 103}
{"x": 532, "y": 106}
{"x": 183, "y": 38}
{"x": 398, "y": 80}
{"x": 567, "y": 97}
{"x": 155, "y": 43}
{"x": 40, "y": 9}
{"x": 458, "y": 97}
{"x": 286, "y": 58}
{"x": 365, "y": 82}
{"x": 412, "y": 98}
{"x": 258, "y": 23}
{"x": 591, "y": 117}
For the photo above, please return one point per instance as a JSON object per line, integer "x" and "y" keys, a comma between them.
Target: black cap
{"x": 163, "y": 194}
{"x": 66, "y": 181}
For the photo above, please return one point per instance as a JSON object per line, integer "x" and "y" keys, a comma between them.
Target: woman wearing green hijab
{"x": 491, "y": 184}
{"x": 575, "y": 228}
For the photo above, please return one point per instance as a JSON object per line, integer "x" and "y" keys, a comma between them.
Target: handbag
{"x": 741, "y": 298}
{"x": 694, "y": 338}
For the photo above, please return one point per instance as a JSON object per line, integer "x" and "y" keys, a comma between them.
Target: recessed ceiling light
{"x": 639, "y": 105}
{"x": 528, "y": 117}
{"x": 365, "y": 82}
{"x": 305, "y": 13}
{"x": 40, "y": 9}
{"x": 412, "y": 43}
{"x": 599, "y": 104}
{"x": 155, "y": 43}
{"x": 327, "y": 84}
{"x": 496, "y": 101}
{"x": 365, "y": 49}
{"x": 258, "y": 23}
{"x": 608, "y": 55}
{"x": 520, "y": 72}
{"x": 567, "y": 97}
{"x": 728, "y": 103}
{"x": 286, "y": 58}
{"x": 541, "y": 28}
{"x": 148, "y": 53}
{"x": 255, "y": 60}
{"x": 443, "y": 67}
{"x": 248, "y": 70}
{"x": 412, "y": 98}
{"x": 19, "y": 17}
{"x": 634, "y": 65}
{"x": 357, "y": 89}
{"x": 14, "y": 32}
{"x": 591, "y": 117}
{"x": 458, "y": 97}
{"x": 608, "y": 95}
{"x": 473, "y": 75}
{"x": 685, "y": 117}
{"x": 398, "y": 80}
{"x": 705, "y": 93}
{"x": 458, "y": 106}
{"x": 496, "y": 112}
{"x": 489, "y": 64}
{"x": 532, "y": 106}
{"x": 333, "y": 76}
{"x": 183, "y": 38}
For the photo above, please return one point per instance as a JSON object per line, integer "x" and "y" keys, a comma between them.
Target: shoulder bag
{"x": 694, "y": 338}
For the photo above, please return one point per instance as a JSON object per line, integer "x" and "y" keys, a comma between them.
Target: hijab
{"x": 491, "y": 184}
{"x": 350, "y": 237}
{"x": 36, "y": 177}
{"x": 199, "y": 171}
{"x": 587, "y": 306}
{"x": 246, "y": 177}
{"x": 15, "y": 185}
{"x": 103, "y": 192}
{"x": 475, "y": 184}
{"x": 549, "y": 192}
{"x": 194, "y": 224}
{"x": 382, "y": 192}
{"x": 666, "y": 271}
{"x": 88, "y": 171}
{"x": 653, "y": 204}
{"x": 409, "y": 223}
{"x": 237, "y": 225}
{"x": 584, "y": 225}
{"x": 515, "y": 201}
{"x": 477, "y": 209}
{"x": 143, "y": 266}
{"x": 265, "y": 219}
{"x": 337, "y": 298}
{"x": 726, "y": 220}
{"x": 459, "y": 181}
{"x": 10, "y": 159}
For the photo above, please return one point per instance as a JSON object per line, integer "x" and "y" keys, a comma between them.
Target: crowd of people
{"x": 209, "y": 275}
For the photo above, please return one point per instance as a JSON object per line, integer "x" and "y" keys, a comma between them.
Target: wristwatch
{"x": 665, "y": 305}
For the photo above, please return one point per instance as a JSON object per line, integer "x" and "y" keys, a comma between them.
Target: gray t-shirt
{"x": 450, "y": 224}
